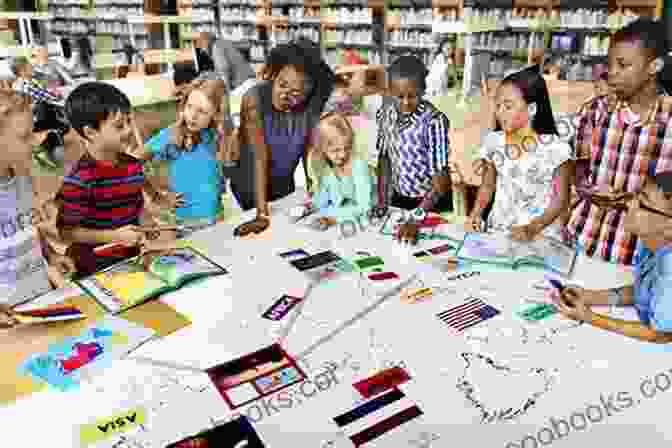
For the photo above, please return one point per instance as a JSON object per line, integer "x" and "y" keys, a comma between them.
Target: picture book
{"x": 496, "y": 248}
{"x": 62, "y": 365}
{"x": 255, "y": 375}
{"x": 238, "y": 433}
{"x": 130, "y": 283}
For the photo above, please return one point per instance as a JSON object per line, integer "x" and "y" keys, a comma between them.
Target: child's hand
{"x": 131, "y": 235}
{"x": 473, "y": 223}
{"x": 60, "y": 268}
{"x": 171, "y": 200}
{"x": 527, "y": 232}
{"x": 572, "y": 303}
{"x": 7, "y": 319}
{"x": 408, "y": 233}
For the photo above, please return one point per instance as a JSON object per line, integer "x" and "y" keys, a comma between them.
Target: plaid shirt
{"x": 36, "y": 92}
{"x": 619, "y": 146}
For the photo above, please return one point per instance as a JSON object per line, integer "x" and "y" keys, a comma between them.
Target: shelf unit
{"x": 383, "y": 28}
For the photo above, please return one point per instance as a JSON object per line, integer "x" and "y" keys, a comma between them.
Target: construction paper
{"x": 104, "y": 428}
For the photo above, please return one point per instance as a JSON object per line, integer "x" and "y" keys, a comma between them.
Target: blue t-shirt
{"x": 653, "y": 287}
{"x": 196, "y": 173}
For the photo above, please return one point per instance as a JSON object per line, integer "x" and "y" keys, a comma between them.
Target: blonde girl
{"x": 341, "y": 178}
{"x": 194, "y": 149}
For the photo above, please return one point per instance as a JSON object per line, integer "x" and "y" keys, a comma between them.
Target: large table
{"x": 564, "y": 368}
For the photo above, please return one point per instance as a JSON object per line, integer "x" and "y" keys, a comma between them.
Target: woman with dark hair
{"x": 277, "y": 118}
{"x": 524, "y": 161}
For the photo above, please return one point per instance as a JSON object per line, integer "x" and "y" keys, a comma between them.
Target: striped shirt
{"x": 422, "y": 146}
{"x": 619, "y": 145}
{"x": 100, "y": 195}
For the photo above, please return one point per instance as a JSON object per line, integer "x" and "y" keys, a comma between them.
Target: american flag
{"x": 468, "y": 314}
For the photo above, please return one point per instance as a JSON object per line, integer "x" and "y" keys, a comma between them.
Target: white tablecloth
{"x": 565, "y": 369}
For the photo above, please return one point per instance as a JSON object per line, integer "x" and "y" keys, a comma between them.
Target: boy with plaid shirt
{"x": 618, "y": 141}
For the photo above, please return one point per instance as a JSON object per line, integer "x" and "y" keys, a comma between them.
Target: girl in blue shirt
{"x": 193, "y": 150}
{"x": 651, "y": 294}
{"x": 342, "y": 179}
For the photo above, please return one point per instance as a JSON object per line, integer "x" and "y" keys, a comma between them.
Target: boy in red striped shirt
{"x": 102, "y": 197}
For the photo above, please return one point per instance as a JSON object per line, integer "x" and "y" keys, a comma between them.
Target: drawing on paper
{"x": 500, "y": 392}
{"x": 61, "y": 365}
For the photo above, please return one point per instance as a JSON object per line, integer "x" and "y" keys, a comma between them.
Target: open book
{"x": 546, "y": 252}
{"x": 128, "y": 283}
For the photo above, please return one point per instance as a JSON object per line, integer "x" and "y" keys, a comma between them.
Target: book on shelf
{"x": 132, "y": 282}
{"x": 498, "y": 248}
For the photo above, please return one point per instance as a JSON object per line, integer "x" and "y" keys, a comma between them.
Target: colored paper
{"x": 237, "y": 433}
{"x": 281, "y": 307}
{"x": 106, "y": 427}
{"x": 381, "y": 382}
{"x": 61, "y": 365}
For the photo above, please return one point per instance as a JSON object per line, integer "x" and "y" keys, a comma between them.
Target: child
{"x": 102, "y": 197}
{"x": 27, "y": 268}
{"x": 194, "y": 148}
{"x": 344, "y": 187}
{"x": 413, "y": 147}
{"x": 525, "y": 162}
{"x": 651, "y": 294}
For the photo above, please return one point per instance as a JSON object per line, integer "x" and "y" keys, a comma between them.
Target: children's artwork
{"x": 377, "y": 417}
{"x": 545, "y": 252}
{"x": 256, "y": 375}
{"x": 128, "y": 283}
{"x": 61, "y": 366}
{"x": 473, "y": 311}
{"x": 237, "y": 433}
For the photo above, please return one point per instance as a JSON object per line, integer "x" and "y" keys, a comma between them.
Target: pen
{"x": 166, "y": 364}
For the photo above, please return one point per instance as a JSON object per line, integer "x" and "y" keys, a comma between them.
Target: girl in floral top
{"x": 525, "y": 162}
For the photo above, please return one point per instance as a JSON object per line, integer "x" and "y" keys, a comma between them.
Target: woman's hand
{"x": 408, "y": 233}
{"x": 60, "y": 269}
{"x": 327, "y": 221}
{"x": 257, "y": 225}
